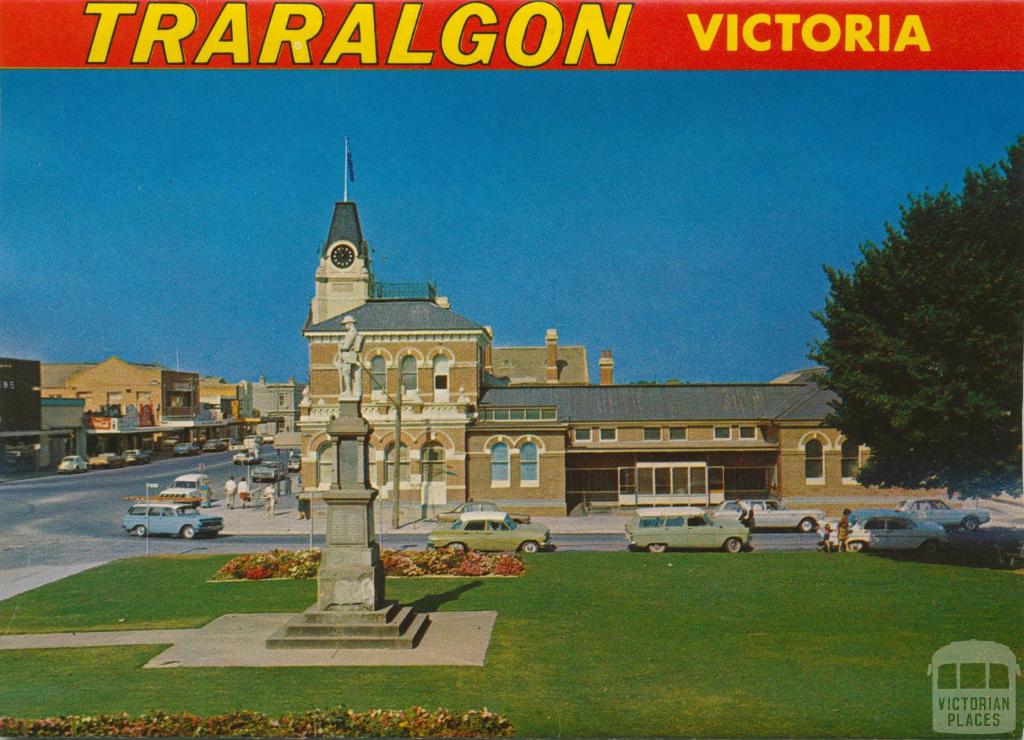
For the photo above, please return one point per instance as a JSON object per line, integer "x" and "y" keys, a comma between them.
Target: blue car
{"x": 180, "y": 520}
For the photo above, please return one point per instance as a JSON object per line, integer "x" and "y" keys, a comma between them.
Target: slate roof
{"x": 529, "y": 364}
{"x": 345, "y": 226}
{"x": 398, "y": 316}
{"x": 670, "y": 403}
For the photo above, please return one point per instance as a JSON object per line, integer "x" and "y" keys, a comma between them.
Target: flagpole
{"x": 344, "y": 166}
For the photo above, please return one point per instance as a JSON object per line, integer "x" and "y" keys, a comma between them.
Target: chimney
{"x": 551, "y": 338}
{"x": 607, "y": 366}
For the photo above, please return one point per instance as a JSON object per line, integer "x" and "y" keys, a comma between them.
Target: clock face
{"x": 342, "y": 256}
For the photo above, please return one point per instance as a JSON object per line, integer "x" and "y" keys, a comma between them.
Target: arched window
{"x": 499, "y": 463}
{"x": 325, "y": 465}
{"x": 389, "y": 464}
{"x": 850, "y": 459}
{"x": 528, "y": 472}
{"x": 440, "y": 373}
{"x": 814, "y": 461}
{"x": 408, "y": 373}
{"x": 378, "y": 373}
{"x": 432, "y": 460}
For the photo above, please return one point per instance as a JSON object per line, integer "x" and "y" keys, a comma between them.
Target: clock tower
{"x": 343, "y": 277}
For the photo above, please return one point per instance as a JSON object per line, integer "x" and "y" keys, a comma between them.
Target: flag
{"x": 351, "y": 167}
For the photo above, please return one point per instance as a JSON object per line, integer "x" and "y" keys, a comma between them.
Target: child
{"x": 825, "y": 543}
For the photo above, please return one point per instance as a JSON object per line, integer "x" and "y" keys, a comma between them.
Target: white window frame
{"x": 660, "y": 436}
{"x": 508, "y": 466}
{"x": 576, "y": 434}
{"x": 714, "y": 431}
{"x": 814, "y": 481}
{"x": 747, "y": 426}
{"x": 613, "y": 430}
{"x": 677, "y": 429}
{"x": 533, "y": 482}
{"x": 845, "y": 480}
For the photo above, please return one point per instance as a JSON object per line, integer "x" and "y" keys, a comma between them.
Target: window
{"x": 677, "y": 433}
{"x": 403, "y": 464}
{"x": 814, "y": 461}
{"x": 748, "y": 432}
{"x": 499, "y": 463}
{"x": 649, "y": 522}
{"x": 696, "y": 521}
{"x": 378, "y": 373}
{"x": 608, "y": 434}
{"x": 850, "y": 459}
{"x": 652, "y": 434}
{"x": 434, "y": 470}
{"x": 723, "y": 432}
{"x": 477, "y": 525}
{"x": 674, "y": 521}
{"x": 325, "y": 465}
{"x": 528, "y": 463}
{"x": 440, "y": 373}
{"x": 409, "y": 382}
{"x": 582, "y": 435}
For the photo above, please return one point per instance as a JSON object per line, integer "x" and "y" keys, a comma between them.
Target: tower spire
{"x": 350, "y": 171}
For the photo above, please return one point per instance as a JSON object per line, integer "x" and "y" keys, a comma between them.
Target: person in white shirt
{"x": 243, "y": 492}
{"x": 230, "y": 489}
{"x": 269, "y": 499}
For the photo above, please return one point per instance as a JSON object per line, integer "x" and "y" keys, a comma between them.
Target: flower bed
{"x": 298, "y": 564}
{"x": 415, "y": 722}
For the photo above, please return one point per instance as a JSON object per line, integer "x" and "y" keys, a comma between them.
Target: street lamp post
{"x": 148, "y": 499}
{"x": 396, "y": 510}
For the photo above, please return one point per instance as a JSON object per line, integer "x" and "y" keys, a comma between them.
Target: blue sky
{"x": 680, "y": 219}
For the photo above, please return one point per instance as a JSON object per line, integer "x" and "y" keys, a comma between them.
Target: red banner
{"x": 518, "y": 34}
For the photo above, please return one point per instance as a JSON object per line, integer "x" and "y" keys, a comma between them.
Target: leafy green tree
{"x": 925, "y": 339}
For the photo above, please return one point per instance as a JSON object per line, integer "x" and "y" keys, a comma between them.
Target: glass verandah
{"x": 667, "y": 482}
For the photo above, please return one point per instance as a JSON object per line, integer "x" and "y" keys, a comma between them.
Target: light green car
{"x": 657, "y": 529}
{"x": 490, "y": 530}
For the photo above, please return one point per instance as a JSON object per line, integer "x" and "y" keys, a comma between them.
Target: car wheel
{"x": 657, "y": 547}
{"x": 855, "y": 546}
{"x": 928, "y": 547}
{"x": 807, "y": 525}
{"x": 529, "y": 546}
{"x": 733, "y": 544}
{"x": 139, "y": 530}
{"x": 188, "y": 532}
{"x": 970, "y": 523}
{"x": 457, "y": 547}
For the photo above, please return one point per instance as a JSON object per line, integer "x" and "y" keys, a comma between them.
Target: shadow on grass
{"x": 433, "y": 602}
{"x": 989, "y": 557}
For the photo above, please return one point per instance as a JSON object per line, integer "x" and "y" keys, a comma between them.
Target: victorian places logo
{"x": 974, "y": 688}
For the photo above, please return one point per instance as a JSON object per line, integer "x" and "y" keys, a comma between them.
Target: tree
{"x": 925, "y": 339}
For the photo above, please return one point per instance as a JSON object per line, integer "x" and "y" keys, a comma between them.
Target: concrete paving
{"x": 237, "y": 640}
{"x": 16, "y": 581}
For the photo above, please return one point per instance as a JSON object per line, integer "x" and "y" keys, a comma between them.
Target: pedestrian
{"x": 243, "y": 492}
{"x": 286, "y": 486}
{"x": 844, "y": 530}
{"x": 825, "y": 532}
{"x": 207, "y": 494}
{"x": 269, "y": 499}
{"x": 230, "y": 489}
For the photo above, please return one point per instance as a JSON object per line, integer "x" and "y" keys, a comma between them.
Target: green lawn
{"x": 585, "y": 644}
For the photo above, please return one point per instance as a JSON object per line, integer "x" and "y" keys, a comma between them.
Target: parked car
{"x": 246, "y": 457}
{"x": 888, "y": 529}
{"x": 294, "y": 462}
{"x": 73, "y": 464}
{"x": 214, "y": 445}
{"x": 189, "y": 485}
{"x": 938, "y": 511}
{"x": 469, "y": 506}
{"x": 659, "y": 528}
{"x": 269, "y": 471}
{"x": 180, "y": 520}
{"x": 490, "y": 530}
{"x": 183, "y": 449}
{"x": 137, "y": 457}
{"x": 106, "y": 460}
{"x": 770, "y": 513}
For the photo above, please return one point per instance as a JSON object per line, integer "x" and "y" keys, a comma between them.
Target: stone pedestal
{"x": 350, "y": 611}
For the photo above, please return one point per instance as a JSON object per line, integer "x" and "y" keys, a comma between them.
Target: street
{"x": 64, "y": 521}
